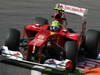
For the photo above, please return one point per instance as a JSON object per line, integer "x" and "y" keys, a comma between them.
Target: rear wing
{"x": 72, "y": 9}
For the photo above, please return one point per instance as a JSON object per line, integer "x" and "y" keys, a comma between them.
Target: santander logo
{"x": 81, "y": 10}
{"x": 72, "y": 9}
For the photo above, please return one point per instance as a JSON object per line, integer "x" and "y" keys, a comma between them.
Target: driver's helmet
{"x": 55, "y": 26}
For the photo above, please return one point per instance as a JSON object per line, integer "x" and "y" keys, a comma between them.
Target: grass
{"x": 55, "y": 72}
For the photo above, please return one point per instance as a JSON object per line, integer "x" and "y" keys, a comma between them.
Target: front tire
{"x": 92, "y": 44}
{"x": 71, "y": 52}
{"x": 13, "y": 40}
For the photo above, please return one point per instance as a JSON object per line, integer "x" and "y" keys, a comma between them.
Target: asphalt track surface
{"x": 17, "y": 13}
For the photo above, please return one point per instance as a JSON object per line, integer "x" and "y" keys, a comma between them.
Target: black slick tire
{"x": 71, "y": 52}
{"x": 40, "y": 20}
{"x": 13, "y": 39}
{"x": 92, "y": 41}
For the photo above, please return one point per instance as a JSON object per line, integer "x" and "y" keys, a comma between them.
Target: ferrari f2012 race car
{"x": 38, "y": 43}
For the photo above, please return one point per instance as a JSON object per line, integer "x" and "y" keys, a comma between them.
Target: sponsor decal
{"x": 88, "y": 64}
{"x": 73, "y": 9}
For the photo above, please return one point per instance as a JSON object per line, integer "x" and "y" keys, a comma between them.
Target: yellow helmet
{"x": 56, "y": 23}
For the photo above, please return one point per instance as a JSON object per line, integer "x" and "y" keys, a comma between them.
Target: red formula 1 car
{"x": 40, "y": 43}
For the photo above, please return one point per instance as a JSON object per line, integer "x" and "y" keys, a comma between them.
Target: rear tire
{"x": 13, "y": 40}
{"x": 71, "y": 52}
{"x": 40, "y": 20}
{"x": 92, "y": 44}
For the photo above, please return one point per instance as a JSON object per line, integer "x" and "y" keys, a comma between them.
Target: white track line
{"x": 37, "y": 70}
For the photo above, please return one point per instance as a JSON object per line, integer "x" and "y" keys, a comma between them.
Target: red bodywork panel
{"x": 73, "y": 36}
{"x": 43, "y": 34}
{"x": 40, "y": 38}
{"x": 35, "y": 27}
